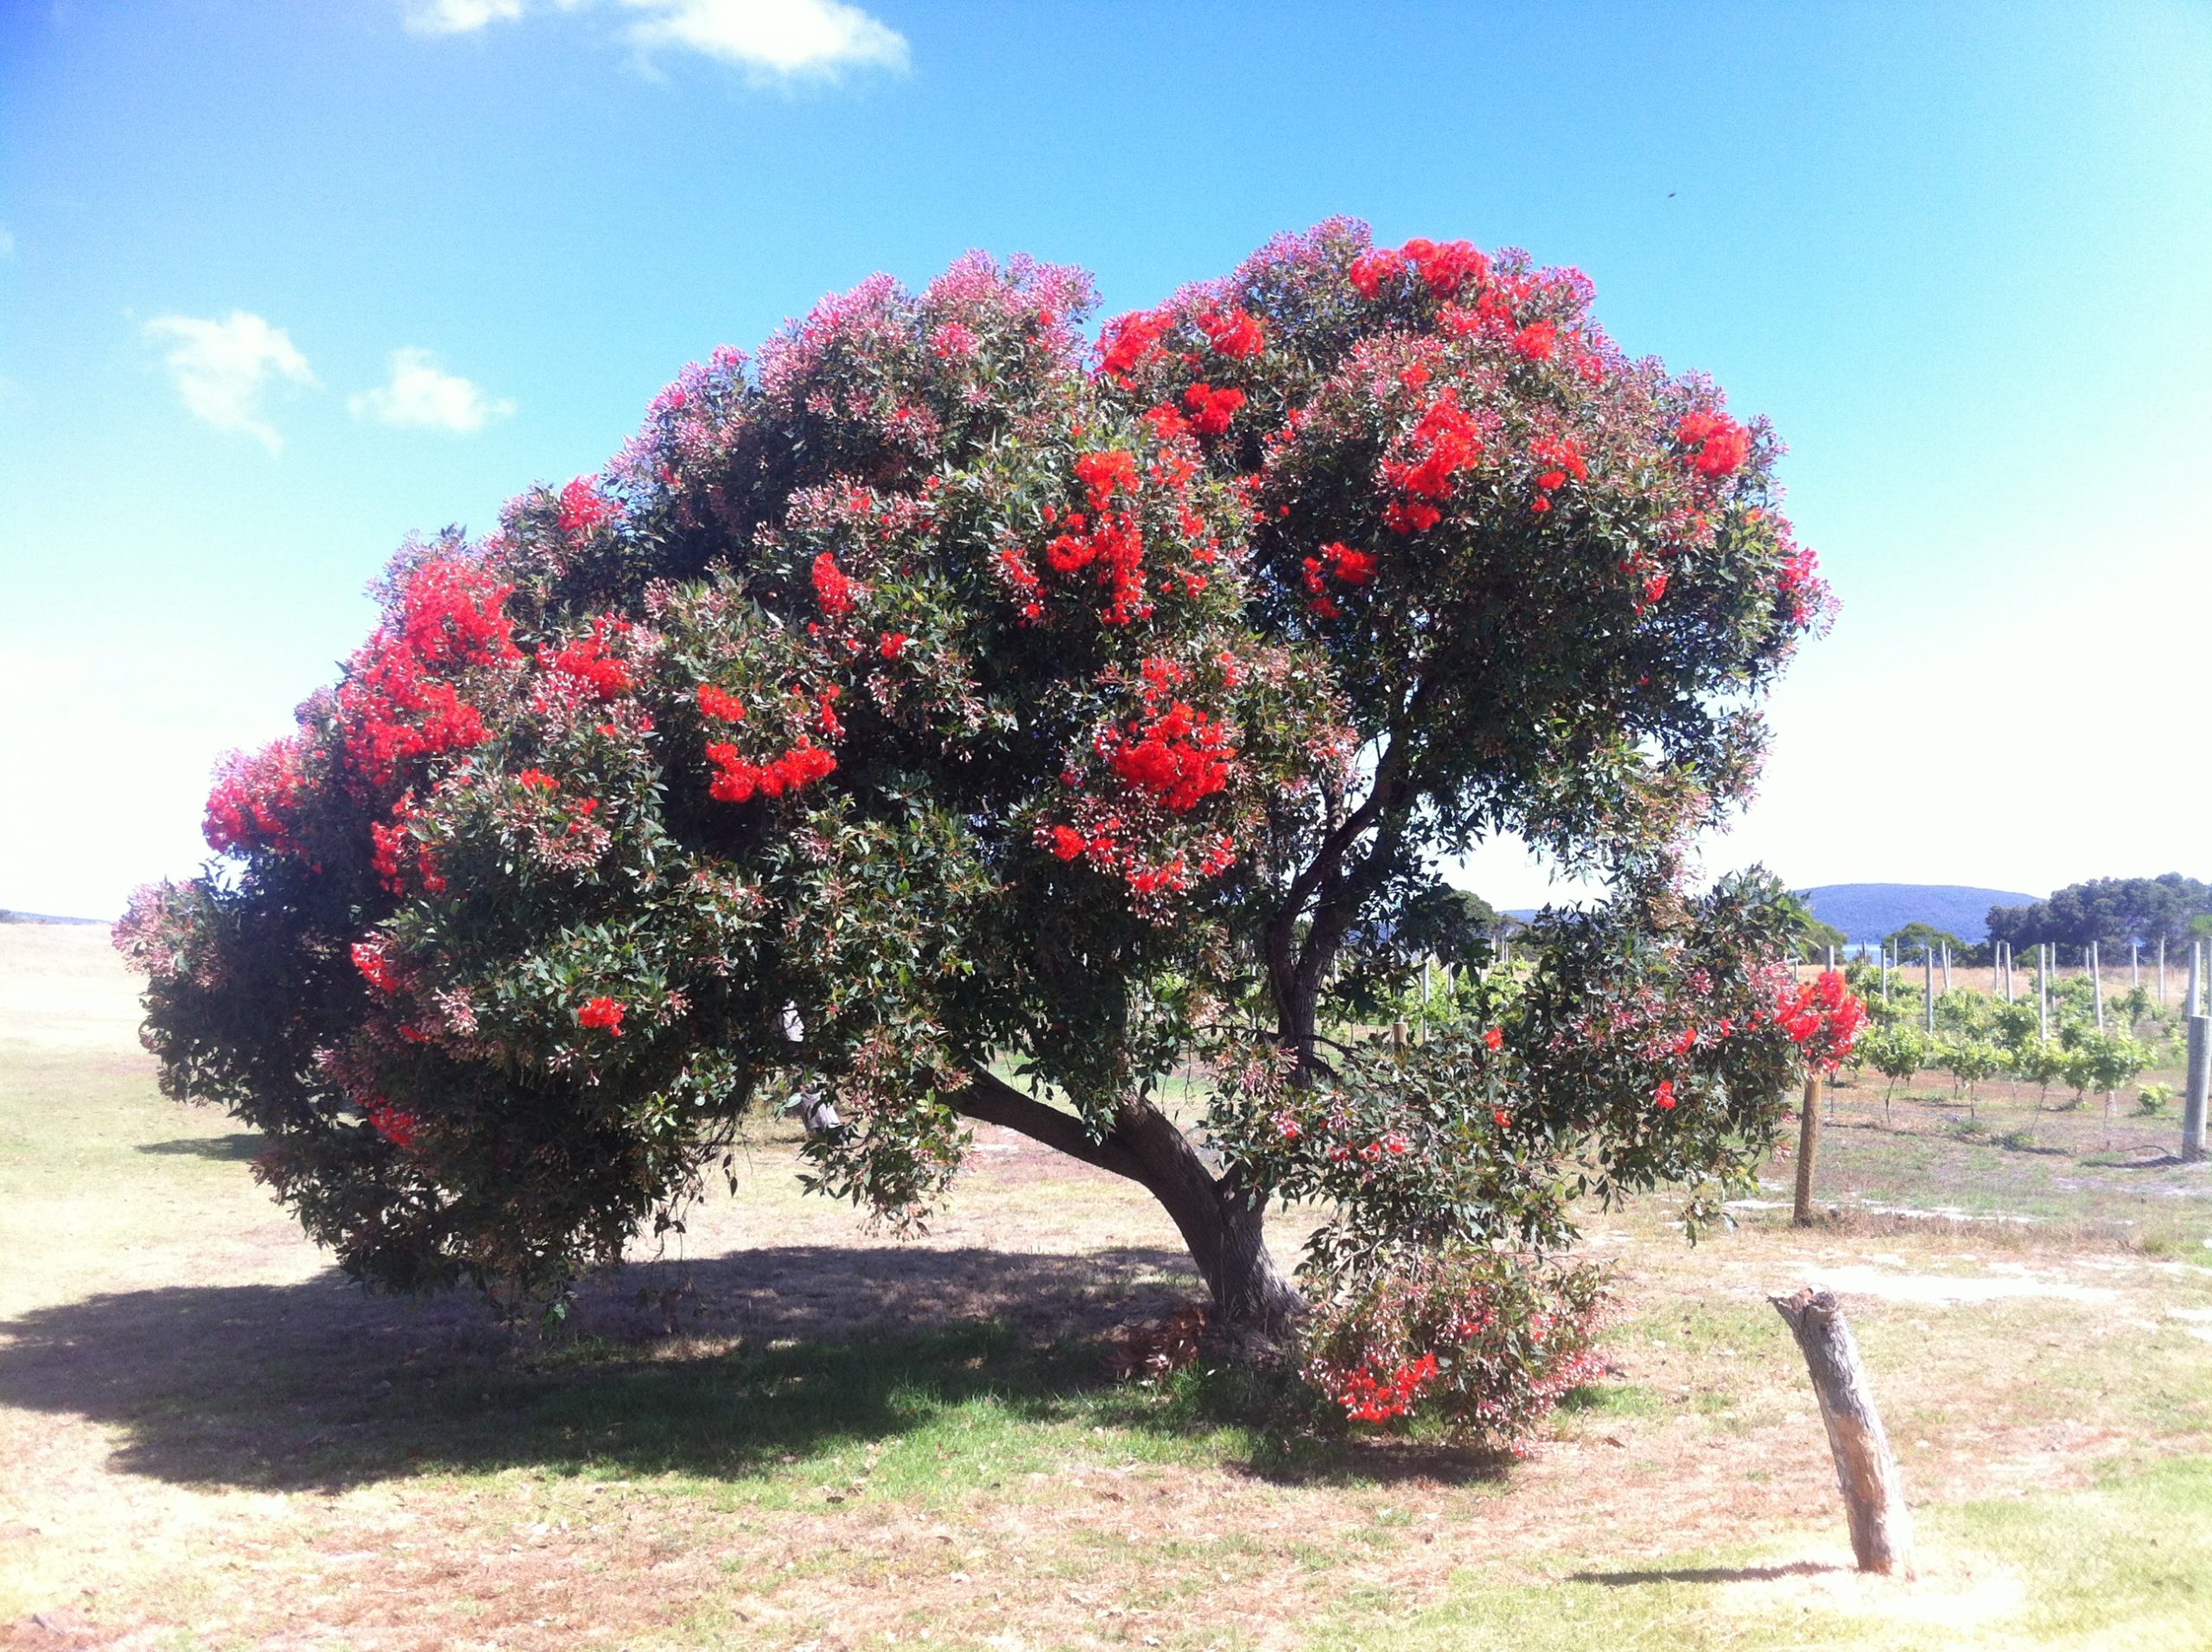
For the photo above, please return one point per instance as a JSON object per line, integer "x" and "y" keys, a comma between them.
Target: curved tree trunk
{"x": 1225, "y": 1228}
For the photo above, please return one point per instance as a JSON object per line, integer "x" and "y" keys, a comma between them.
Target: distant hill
{"x": 1867, "y": 911}
{"x": 7, "y": 917}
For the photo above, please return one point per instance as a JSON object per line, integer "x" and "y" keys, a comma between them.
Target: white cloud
{"x": 771, "y": 39}
{"x": 459, "y": 16}
{"x": 423, "y": 395}
{"x": 222, "y": 367}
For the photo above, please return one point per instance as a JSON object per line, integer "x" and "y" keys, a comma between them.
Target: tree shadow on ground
{"x": 235, "y": 1149}
{"x": 2160, "y": 1159}
{"x": 726, "y": 1368}
{"x": 1711, "y": 1574}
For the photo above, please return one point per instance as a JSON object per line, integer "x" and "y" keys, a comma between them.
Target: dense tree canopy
{"x": 940, "y": 688}
{"x": 1909, "y": 940}
{"x": 2111, "y": 911}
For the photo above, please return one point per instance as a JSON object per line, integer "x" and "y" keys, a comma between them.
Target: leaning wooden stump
{"x": 1866, "y": 1470}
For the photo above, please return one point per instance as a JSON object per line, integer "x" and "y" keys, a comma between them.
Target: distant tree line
{"x": 2111, "y": 911}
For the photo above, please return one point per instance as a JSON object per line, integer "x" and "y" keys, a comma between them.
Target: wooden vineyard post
{"x": 2043, "y": 989}
{"x": 1808, "y": 1145}
{"x": 1865, "y": 1468}
{"x": 2097, "y": 985}
{"x": 2162, "y": 972}
{"x": 1928, "y": 984}
{"x": 2198, "y": 1093}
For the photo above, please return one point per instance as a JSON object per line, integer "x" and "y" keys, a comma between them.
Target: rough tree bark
{"x": 1809, "y": 1146}
{"x": 1865, "y": 1468}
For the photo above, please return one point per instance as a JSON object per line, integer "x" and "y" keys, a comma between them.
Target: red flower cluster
{"x": 397, "y": 714}
{"x": 537, "y": 780}
{"x": 603, "y": 1016}
{"x": 584, "y": 508}
{"x": 1181, "y": 757}
{"x": 1167, "y": 422}
{"x": 1105, "y": 849}
{"x": 718, "y": 704}
{"x": 833, "y": 590}
{"x": 738, "y": 779}
{"x": 396, "y": 1127}
{"x": 1822, "y": 1018}
{"x": 1448, "y": 443}
{"x": 1664, "y": 1097}
{"x": 1717, "y": 445}
{"x": 1129, "y": 338}
{"x": 1799, "y": 585}
{"x": 372, "y": 957}
{"x": 256, "y": 799}
{"x": 449, "y": 617}
{"x": 394, "y": 848}
{"x": 1494, "y": 1037}
{"x": 1109, "y": 537}
{"x": 453, "y": 615}
{"x": 1338, "y": 562}
{"x": 1104, "y": 475}
{"x": 1211, "y": 409}
{"x": 1560, "y": 459}
{"x": 1374, "y": 1396}
{"x": 1014, "y": 563}
{"x": 1234, "y": 333}
{"x": 586, "y": 660}
{"x": 1536, "y": 341}
{"x": 1445, "y": 269}
{"x": 1175, "y": 872}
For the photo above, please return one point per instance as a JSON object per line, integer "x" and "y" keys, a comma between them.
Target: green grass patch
{"x": 2128, "y": 1564}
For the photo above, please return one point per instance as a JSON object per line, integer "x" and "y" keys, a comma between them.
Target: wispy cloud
{"x": 769, "y": 40}
{"x": 459, "y": 16}
{"x": 423, "y": 395}
{"x": 221, "y": 368}
{"x": 784, "y": 39}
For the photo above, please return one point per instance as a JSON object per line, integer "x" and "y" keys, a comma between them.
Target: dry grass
{"x": 804, "y": 1434}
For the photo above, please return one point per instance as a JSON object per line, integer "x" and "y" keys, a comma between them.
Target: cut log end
{"x": 1865, "y": 1469}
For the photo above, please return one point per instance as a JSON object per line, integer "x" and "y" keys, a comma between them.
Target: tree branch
{"x": 993, "y": 1100}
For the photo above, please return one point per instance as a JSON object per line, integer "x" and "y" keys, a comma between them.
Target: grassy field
{"x": 795, "y": 1435}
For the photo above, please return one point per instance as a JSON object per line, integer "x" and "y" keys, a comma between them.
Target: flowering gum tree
{"x": 942, "y": 689}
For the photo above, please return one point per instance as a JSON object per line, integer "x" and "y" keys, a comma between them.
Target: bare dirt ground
{"x": 793, "y": 1433}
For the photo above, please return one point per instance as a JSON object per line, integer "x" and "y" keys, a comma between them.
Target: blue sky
{"x": 282, "y": 281}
